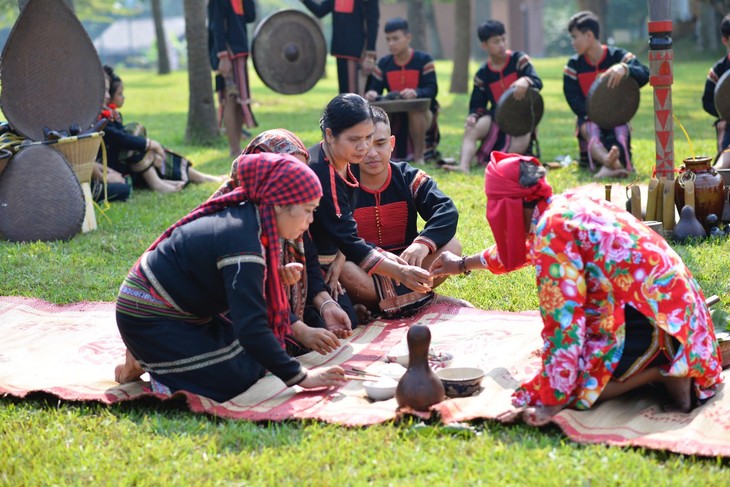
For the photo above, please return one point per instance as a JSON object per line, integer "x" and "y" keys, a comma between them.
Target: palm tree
{"x": 163, "y": 61}
{"x": 202, "y": 127}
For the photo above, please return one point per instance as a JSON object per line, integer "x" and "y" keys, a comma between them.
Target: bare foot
{"x": 605, "y": 172}
{"x": 679, "y": 389}
{"x": 129, "y": 371}
{"x": 540, "y": 415}
{"x": 364, "y": 315}
{"x": 612, "y": 156}
{"x": 455, "y": 169}
{"x": 440, "y": 298}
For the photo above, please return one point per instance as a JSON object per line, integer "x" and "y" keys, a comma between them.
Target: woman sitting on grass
{"x": 204, "y": 310}
{"x": 620, "y": 309}
{"x": 130, "y": 152}
{"x": 318, "y": 322}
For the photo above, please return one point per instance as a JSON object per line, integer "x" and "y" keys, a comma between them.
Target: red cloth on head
{"x": 265, "y": 180}
{"x": 505, "y": 211}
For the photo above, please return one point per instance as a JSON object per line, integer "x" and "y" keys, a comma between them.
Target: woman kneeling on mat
{"x": 204, "y": 310}
{"x": 619, "y": 307}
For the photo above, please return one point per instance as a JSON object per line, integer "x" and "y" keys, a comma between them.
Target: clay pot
{"x": 709, "y": 187}
{"x": 419, "y": 388}
{"x": 688, "y": 226}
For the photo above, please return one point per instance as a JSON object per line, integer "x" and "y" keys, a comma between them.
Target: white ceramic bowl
{"x": 461, "y": 381}
{"x": 380, "y": 390}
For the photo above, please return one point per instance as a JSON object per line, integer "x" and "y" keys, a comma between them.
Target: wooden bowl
{"x": 461, "y": 381}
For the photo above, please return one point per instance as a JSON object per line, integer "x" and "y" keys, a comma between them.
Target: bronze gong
{"x": 611, "y": 107}
{"x": 402, "y": 104}
{"x": 722, "y": 96}
{"x": 289, "y": 52}
{"x": 519, "y": 117}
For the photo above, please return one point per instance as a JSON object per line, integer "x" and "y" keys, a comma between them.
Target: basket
{"x": 80, "y": 152}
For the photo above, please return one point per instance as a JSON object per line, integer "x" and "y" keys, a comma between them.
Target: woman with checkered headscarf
{"x": 204, "y": 309}
{"x": 619, "y": 307}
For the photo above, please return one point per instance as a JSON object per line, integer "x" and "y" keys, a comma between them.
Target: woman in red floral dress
{"x": 620, "y": 309}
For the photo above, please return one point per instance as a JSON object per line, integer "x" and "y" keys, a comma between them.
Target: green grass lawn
{"x": 44, "y": 441}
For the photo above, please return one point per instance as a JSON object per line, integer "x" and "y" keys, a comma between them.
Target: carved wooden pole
{"x": 661, "y": 57}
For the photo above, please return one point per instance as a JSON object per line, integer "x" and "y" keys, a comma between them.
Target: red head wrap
{"x": 505, "y": 212}
{"x": 265, "y": 180}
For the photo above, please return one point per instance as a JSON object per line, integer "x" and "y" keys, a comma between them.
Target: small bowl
{"x": 380, "y": 390}
{"x": 461, "y": 381}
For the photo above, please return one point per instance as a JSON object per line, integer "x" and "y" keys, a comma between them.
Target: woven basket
{"x": 80, "y": 154}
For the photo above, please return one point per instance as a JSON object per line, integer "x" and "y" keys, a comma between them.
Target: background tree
{"x": 600, "y": 8}
{"x": 163, "y": 61}
{"x": 434, "y": 39}
{"x": 460, "y": 74}
{"x": 202, "y": 126}
{"x": 416, "y": 24}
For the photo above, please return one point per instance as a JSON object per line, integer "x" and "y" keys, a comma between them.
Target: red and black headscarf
{"x": 505, "y": 197}
{"x": 265, "y": 180}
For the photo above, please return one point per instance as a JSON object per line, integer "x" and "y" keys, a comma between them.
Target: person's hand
{"x": 415, "y": 278}
{"x": 157, "y": 148}
{"x": 415, "y": 253}
{"x": 367, "y": 66}
{"x": 332, "y": 276}
{"x": 615, "y": 74}
{"x": 520, "y": 86}
{"x": 408, "y": 93}
{"x": 446, "y": 264}
{"x": 290, "y": 273}
{"x": 471, "y": 120}
{"x": 113, "y": 176}
{"x": 395, "y": 258}
{"x": 336, "y": 320}
{"x": 319, "y": 340}
{"x": 225, "y": 68}
{"x": 329, "y": 377}
{"x": 371, "y": 95}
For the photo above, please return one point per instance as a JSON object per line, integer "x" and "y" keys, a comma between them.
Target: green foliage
{"x": 145, "y": 442}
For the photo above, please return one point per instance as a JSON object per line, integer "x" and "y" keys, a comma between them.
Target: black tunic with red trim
{"x": 387, "y": 217}
{"x": 418, "y": 73}
{"x": 580, "y": 73}
{"x": 227, "y": 21}
{"x": 716, "y": 72}
{"x": 354, "y": 25}
{"x": 334, "y": 226}
{"x": 489, "y": 84}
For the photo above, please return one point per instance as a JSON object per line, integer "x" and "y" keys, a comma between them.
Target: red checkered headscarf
{"x": 265, "y": 180}
{"x": 280, "y": 141}
{"x": 505, "y": 211}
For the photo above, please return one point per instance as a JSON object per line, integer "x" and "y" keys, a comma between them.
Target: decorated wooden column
{"x": 661, "y": 57}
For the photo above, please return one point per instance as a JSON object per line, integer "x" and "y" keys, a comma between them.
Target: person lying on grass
{"x": 204, "y": 309}
{"x": 619, "y": 307}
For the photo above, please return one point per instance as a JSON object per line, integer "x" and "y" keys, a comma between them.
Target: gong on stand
{"x": 289, "y": 52}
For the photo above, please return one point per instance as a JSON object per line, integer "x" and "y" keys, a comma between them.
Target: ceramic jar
{"x": 709, "y": 187}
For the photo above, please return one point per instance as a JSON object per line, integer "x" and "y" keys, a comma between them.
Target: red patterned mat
{"x": 70, "y": 351}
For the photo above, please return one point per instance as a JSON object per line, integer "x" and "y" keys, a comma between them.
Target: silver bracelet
{"x": 326, "y": 303}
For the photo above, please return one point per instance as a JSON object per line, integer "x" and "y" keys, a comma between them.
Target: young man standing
{"x": 411, "y": 74}
{"x": 504, "y": 69}
{"x": 592, "y": 59}
{"x": 390, "y": 199}
{"x": 708, "y": 97}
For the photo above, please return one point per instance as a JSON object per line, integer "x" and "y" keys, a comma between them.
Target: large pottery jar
{"x": 709, "y": 188}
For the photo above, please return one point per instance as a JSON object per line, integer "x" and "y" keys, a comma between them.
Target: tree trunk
{"x": 460, "y": 73}
{"x": 600, "y": 8}
{"x": 163, "y": 61}
{"x": 437, "y": 51}
{"x": 202, "y": 125}
{"x": 417, "y": 24}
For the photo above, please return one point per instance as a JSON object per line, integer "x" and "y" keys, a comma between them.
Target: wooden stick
{"x": 712, "y": 300}
{"x": 356, "y": 371}
{"x": 356, "y": 377}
